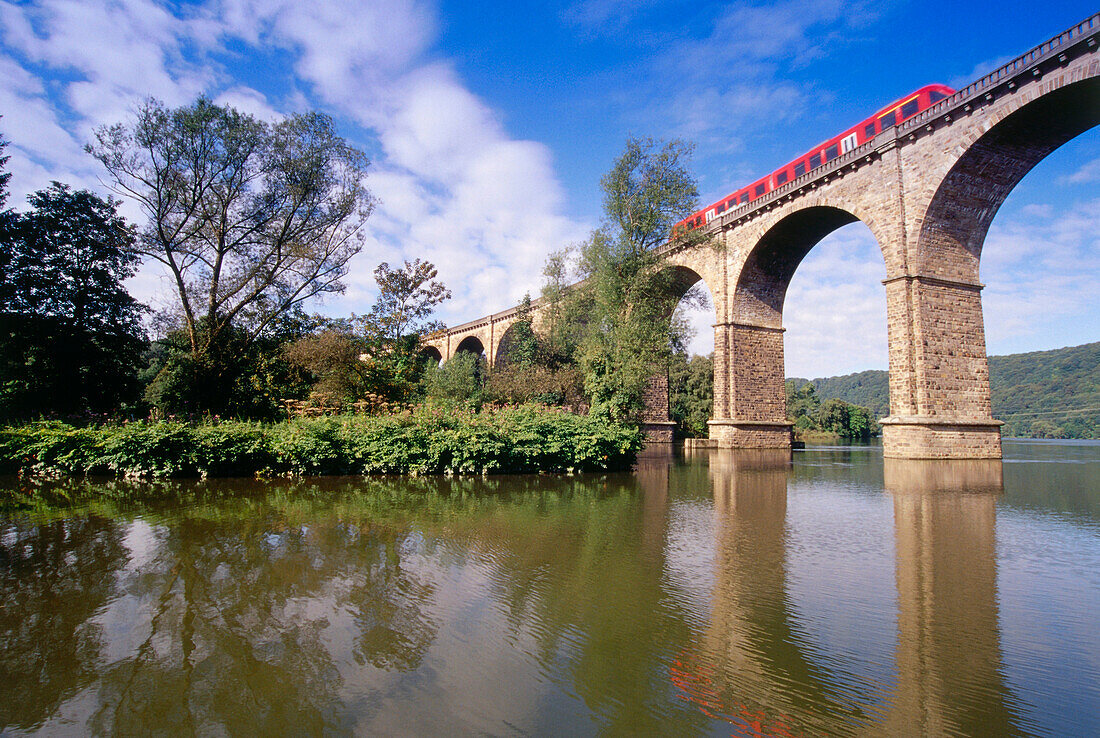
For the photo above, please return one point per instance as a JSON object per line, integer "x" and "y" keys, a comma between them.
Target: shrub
{"x": 430, "y": 439}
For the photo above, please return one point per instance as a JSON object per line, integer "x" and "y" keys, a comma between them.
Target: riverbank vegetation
{"x": 428, "y": 439}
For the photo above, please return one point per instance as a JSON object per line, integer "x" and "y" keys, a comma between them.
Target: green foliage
{"x": 70, "y": 335}
{"x": 870, "y": 389}
{"x": 1041, "y": 394}
{"x": 563, "y": 386}
{"x": 691, "y": 393}
{"x": 521, "y": 346}
{"x": 847, "y": 421}
{"x": 240, "y": 377}
{"x": 1048, "y": 394}
{"x": 534, "y": 368}
{"x": 628, "y": 299}
{"x": 459, "y": 379}
{"x": 834, "y": 417}
{"x": 428, "y": 440}
{"x": 377, "y": 354}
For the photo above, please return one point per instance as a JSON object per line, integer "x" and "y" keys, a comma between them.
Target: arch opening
{"x": 835, "y": 311}
{"x": 471, "y": 345}
{"x": 506, "y": 346}
{"x": 691, "y": 308}
{"x": 970, "y": 195}
{"x": 1015, "y": 214}
{"x": 431, "y": 355}
{"x": 762, "y": 285}
{"x": 750, "y": 400}
{"x": 691, "y": 365}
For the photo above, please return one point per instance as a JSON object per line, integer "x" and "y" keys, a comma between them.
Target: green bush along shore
{"x": 428, "y": 439}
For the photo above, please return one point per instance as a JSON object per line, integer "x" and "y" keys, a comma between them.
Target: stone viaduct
{"x": 928, "y": 190}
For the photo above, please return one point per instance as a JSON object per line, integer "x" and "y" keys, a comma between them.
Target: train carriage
{"x": 894, "y": 113}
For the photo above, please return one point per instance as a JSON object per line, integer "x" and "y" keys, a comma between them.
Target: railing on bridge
{"x": 1084, "y": 32}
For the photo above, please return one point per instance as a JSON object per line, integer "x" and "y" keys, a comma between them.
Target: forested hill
{"x": 1042, "y": 394}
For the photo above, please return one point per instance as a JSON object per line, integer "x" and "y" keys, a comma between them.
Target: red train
{"x": 858, "y": 134}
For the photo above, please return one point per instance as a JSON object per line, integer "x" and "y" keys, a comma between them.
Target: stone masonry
{"x": 928, "y": 190}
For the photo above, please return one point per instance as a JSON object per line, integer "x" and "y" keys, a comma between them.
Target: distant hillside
{"x": 1042, "y": 394}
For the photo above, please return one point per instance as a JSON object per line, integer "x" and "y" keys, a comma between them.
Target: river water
{"x": 720, "y": 593}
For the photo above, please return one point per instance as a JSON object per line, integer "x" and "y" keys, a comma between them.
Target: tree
{"x": 7, "y": 225}
{"x": 250, "y": 219}
{"x": 72, "y": 334}
{"x": 407, "y": 296}
{"x": 377, "y": 353}
{"x": 459, "y": 379}
{"x": 4, "y": 176}
{"x": 522, "y": 349}
{"x": 630, "y": 329}
{"x": 691, "y": 393}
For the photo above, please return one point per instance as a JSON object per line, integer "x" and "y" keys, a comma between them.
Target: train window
{"x": 934, "y": 96}
{"x": 721, "y": 207}
{"x": 781, "y": 178}
{"x": 744, "y": 198}
{"x": 759, "y": 190}
{"x": 887, "y": 120}
{"x": 909, "y": 109}
{"x": 800, "y": 169}
{"x": 869, "y": 130}
{"x": 830, "y": 153}
{"x": 815, "y": 161}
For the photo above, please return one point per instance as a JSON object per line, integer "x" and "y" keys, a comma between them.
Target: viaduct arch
{"x": 928, "y": 189}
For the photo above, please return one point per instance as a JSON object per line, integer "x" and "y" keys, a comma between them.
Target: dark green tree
{"x": 523, "y": 345}
{"x": 72, "y": 334}
{"x": 7, "y": 228}
{"x": 459, "y": 379}
{"x": 691, "y": 393}
{"x": 630, "y": 299}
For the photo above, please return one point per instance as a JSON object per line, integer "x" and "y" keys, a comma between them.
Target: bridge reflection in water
{"x": 756, "y": 665}
{"x": 695, "y": 598}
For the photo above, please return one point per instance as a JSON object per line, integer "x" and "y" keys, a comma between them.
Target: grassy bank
{"x": 426, "y": 440}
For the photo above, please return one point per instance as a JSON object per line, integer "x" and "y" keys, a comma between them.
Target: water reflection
{"x": 53, "y": 579}
{"x": 673, "y": 600}
{"x": 752, "y": 666}
{"x": 950, "y": 680}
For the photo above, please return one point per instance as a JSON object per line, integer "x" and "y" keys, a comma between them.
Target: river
{"x": 718, "y": 593}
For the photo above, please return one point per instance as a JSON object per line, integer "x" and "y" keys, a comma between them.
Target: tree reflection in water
{"x": 421, "y": 606}
{"x": 54, "y": 578}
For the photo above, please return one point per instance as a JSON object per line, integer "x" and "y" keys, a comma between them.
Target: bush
{"x": 460, "y": 379}
{"x": 430, "y": 439}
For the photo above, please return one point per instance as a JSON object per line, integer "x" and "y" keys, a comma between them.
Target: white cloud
{"x": 723, "y": 85}
{"x": 604, "y": 17}
{"x": 1040, "y": 268}
{"x": 1088, "y": 172}
{"x": 454, "y": 186}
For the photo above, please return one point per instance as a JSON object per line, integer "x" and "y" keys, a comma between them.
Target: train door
{"x": 847, "y": 143}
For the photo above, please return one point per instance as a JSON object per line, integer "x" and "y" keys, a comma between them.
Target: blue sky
{"x": 490, "y": 124}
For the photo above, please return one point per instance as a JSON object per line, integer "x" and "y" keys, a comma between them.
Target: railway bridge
{"x": 928, "y": 189}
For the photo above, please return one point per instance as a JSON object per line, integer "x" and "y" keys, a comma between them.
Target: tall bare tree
{"x": 249, "y": 218}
